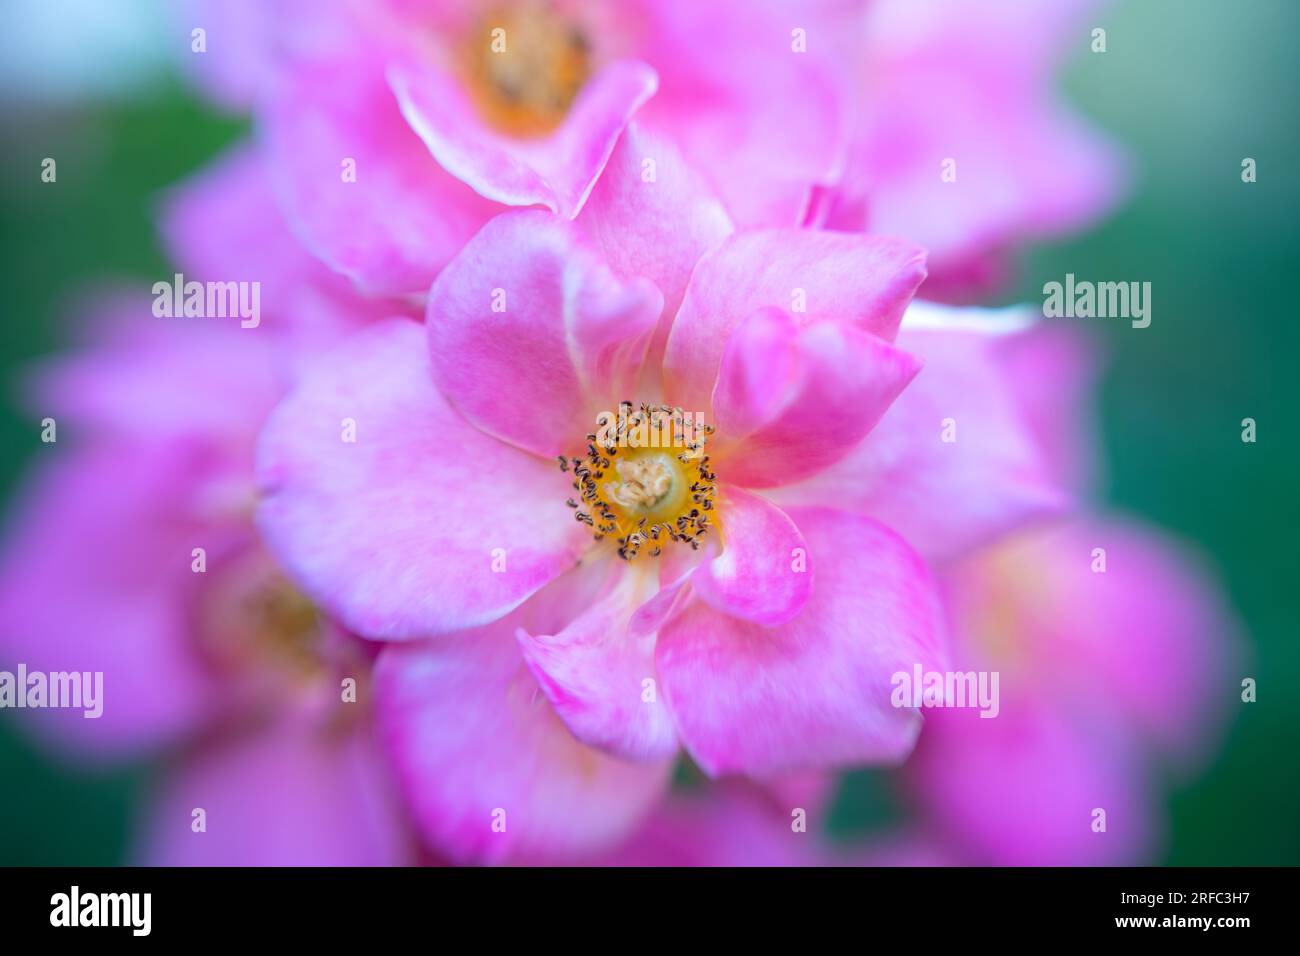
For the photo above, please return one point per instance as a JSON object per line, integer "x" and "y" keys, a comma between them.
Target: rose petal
{"x": 556, "y": 171}
{"x": 594, "y": 673}
{"x": 814, "y": 692}
{"x": 651, "y": 214}
{"x": 758, "y": 575}
{"x": 532, "y": 336}
{"x": 423, "y": 524}
{"x": 476, "y": 743}
{"x": 951, "y": 464}
{"x": 865, "y": 281}
{"x": 763, "y": 120}
{"x": 402, "y": 217}
{"x": 789, "y": 401}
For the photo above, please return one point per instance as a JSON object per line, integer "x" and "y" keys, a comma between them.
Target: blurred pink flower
{"x": 1102, "y": 674}
{"x": 228, "y": 670}
{"x": 960, "y": 142}
{"x": 98, "y": 576}
{"x": 447, "y": 111}
{"x": 1114, "y": 665}
{"x": 222, "y": 224}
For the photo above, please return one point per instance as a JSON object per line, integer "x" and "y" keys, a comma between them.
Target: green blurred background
{"x": 1191, "y": 88}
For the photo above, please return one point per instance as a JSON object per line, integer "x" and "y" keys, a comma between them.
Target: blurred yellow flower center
{"x": 251, "y": 613}
{"x": 525, "y": 64}
{"x": 284, "y": 623}
{"x": 645, "y": 480}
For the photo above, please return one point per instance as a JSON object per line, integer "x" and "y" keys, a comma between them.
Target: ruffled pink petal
{"x": 476, "y": 742}
{"x": 403, "y": 217}
{"x": 651, "y": 214}
{"x": 421, "y": 525}
{"x": 944, "y": 496}
{"x": 790, "y": 401}
{"x": 763, "y": 573}
{"x": 814, "y": 692}
{"x": 292, "y": 794}
{"x": 532, "y": 336}
{"x": 671, "y": 597}
{"x": 595, "y": 673}
{"x": 557, "y": 171}
{"x": 865, "y": 281}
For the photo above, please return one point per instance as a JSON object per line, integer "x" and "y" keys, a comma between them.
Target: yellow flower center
{"x": 524, "y": 65}
{"x": 645, "y": 483}
{"x": 645, "y": 480}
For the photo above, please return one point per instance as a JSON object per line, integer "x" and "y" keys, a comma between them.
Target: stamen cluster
{"x": 660, "y": 490}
